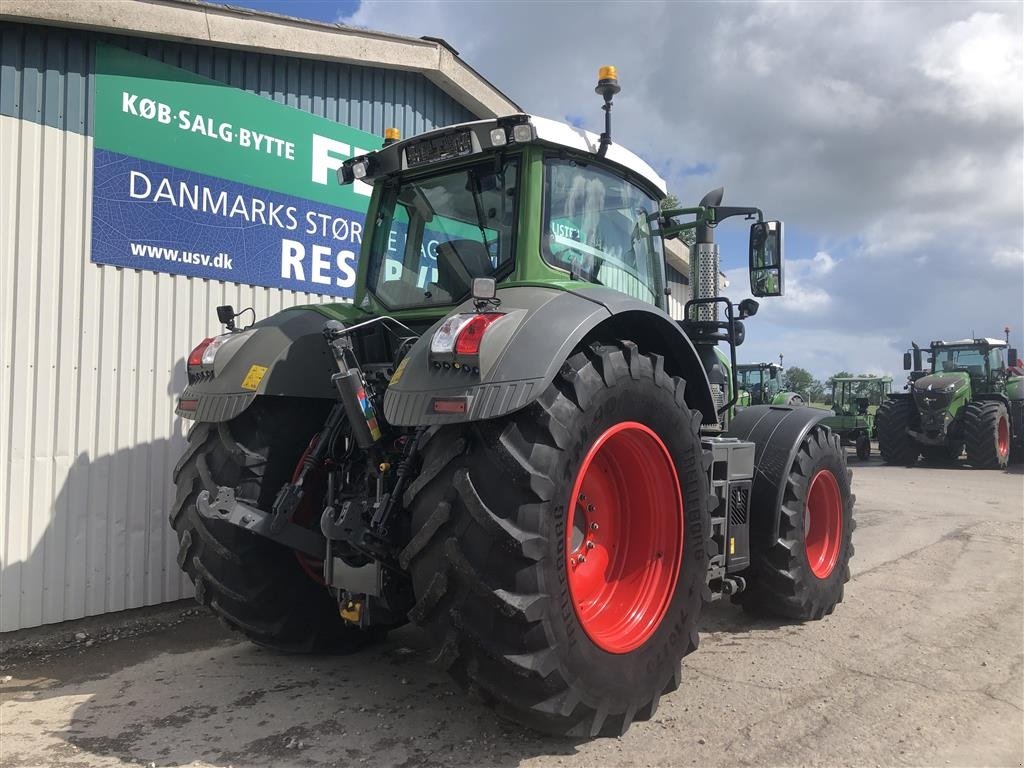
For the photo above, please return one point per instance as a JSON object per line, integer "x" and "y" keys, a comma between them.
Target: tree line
{"x": 800, "y": 380}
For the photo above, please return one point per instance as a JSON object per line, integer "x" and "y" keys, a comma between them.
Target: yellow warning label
{"x": 732, "y": 545}
{"x": 254, "y": 377}
{"x": 401, "y": 369}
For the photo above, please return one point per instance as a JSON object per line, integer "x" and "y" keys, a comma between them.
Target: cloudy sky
{"x": 889, "y": 137}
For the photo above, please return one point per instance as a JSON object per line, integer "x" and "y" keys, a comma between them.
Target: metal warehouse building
{"x": 156, "y": 160}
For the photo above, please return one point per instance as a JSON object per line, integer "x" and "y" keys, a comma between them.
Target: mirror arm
{"x": 722, "y": 212}
{"x": 669, "y": 229}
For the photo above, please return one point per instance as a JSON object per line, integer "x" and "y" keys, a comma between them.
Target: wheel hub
{"x": 624, "y": 537}
{"x": 823, "y": 523}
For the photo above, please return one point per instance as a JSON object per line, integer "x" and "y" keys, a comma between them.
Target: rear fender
{"x": 283, "y": 355}
{"x": 777, "y": 432}
{"x": 521, "y": 354}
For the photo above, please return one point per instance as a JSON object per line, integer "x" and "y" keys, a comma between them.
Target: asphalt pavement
{"x": 920, "y": 665}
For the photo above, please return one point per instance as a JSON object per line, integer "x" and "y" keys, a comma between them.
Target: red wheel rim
{"x": 823, "y": 523}
{"x": 624, "y": 537}
{"x": 1003, "y": 437}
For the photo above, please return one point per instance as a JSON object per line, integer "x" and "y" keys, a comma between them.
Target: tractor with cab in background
{"x": 970, "y": 398}
{"x": 506, "y": 440}
{"x": 761, "y": 384}
{"x": 853, "y": 397}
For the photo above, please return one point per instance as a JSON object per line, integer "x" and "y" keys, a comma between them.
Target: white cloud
{"x": 888, "y": 136}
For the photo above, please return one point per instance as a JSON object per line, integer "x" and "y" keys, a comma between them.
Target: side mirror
{"x": 766, "y": 258}
{"x": 906, "y": 361}
{"x": 1011, "y": 357}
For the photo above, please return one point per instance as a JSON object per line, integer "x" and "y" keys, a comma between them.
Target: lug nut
{"x": 581, "y": 560}
{"x": 593, "y": 526}
{"x": 590, "y": 545}
{"x": 582, "y": 498}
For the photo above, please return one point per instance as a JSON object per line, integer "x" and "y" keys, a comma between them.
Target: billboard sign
{"x": 195, "y": 177}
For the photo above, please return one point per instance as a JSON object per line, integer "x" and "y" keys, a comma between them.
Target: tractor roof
{"x": 752, "y": 366}
{"x": 985, "y": 342}
{"x": 467, "y": 139}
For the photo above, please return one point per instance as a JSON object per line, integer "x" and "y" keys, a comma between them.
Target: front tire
{"x": 987, "y": 434}
{"x": 516, "y": 528}
{"x": 894, "y": 443}
{"x": 256, "y": 586}
{"x": 863, "y": 447}
{"x": 801, "y": 574}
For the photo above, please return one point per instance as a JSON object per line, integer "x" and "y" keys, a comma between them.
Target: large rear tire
{"x": 801, "y": 574}
{"x": 987, "y": 434}
{"x": 256, "y": 586}
{"x": 527, "y": 529}
{"x": 894, "y": 444}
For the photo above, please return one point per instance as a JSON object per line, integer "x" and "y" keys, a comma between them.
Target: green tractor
{"x": 760, "y": 384}
{"x": 506, "y": 440}
{"x": 970, "y": 398}
{"x": 852, "y": 399}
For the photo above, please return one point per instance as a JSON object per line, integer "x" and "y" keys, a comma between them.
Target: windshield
{"x": 750, "y": 379}
{"x": 596, "y": 228}
{"x": 969, "y": 359}
{"x": 435, "y": 234}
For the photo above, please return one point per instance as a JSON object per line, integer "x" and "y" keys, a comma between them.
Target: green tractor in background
{"x": 972, "y": 397}
{"x": 760, "y": 384}
{"x": 852, "y": 398}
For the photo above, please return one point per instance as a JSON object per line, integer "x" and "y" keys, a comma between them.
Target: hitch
{"x": 226, "y": 508}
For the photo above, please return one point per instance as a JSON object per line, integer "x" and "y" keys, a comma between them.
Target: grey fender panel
{"x": 288, "y": 344}
{"x": 777, "y": 432}
{"x": 521, "y": 354}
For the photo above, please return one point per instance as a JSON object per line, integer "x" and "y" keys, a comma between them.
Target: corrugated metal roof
{"x": 46, "y": 76}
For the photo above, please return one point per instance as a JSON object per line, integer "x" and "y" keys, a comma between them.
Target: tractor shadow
{"x": 202, "y": 694}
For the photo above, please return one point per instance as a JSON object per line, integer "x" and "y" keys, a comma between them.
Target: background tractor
{"x": 853, "y": 398}
{"x": 969, "y": 398}
{"x": 761, "y": 384}
{"x": 506, "y": 440}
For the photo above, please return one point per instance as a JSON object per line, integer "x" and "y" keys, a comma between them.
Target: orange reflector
{"x": 188, "y": 405}
{"x": 449, "y": 405}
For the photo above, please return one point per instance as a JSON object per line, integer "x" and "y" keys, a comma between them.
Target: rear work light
{"x": 460, "y": 335}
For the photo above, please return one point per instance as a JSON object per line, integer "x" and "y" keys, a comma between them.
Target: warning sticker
{"x": 398, "y": 373}
{"x": 254, "y": 377}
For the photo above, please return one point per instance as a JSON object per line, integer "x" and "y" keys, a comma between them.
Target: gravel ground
{"x": 921, "y": 665}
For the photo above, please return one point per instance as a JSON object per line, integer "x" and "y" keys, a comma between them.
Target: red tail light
{"x": 195, "y": 357}
{"x": 469, "y": 338}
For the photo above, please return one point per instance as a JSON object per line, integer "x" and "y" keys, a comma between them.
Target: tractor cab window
{"x": 970, "y": 360}
{"x": 435, "y": 234}
{"x": 995, "y": 360}
{"x": 596, "y": 228}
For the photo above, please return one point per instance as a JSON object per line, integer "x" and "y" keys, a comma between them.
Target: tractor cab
{"x": 855, "y": 395}
{"x": 854, "y": 400}
{"x": 759, "y": 383}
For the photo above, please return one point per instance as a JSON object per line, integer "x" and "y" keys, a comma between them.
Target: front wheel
{"x": 987, "y": 434}
{"x": 863, "y": 447}
{"x": 559, "y": 554}
{"x": 801, "y": 573}
{"x": 894, "y": 441}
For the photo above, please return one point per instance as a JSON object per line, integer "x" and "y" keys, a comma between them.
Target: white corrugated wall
{"x": 92, "y": 355}
{"x": 91, "y": 364}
